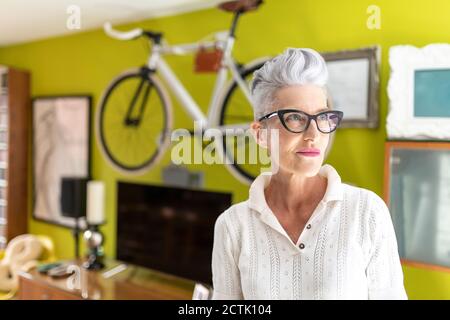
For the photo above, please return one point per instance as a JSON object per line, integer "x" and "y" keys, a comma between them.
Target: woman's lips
{"x": 309, "y": 152}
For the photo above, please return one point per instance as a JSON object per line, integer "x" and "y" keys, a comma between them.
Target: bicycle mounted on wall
{"x": 136, "y": 104}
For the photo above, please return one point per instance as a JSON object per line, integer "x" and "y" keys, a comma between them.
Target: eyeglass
{"x": 297, "y": 121}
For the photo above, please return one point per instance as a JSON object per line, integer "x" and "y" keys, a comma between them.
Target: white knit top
{"x": 348, "y": 249}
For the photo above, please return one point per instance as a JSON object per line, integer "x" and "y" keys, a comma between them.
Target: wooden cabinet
{"x": 132, "y": 283}
{"x": 14, "y": 130}
{"x": 35, "y": 290}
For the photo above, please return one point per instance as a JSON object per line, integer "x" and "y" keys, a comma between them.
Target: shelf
{"x": 13, "y": 181}
{"x": 2, "y": 242}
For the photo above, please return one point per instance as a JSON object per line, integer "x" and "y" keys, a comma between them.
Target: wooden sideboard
{"x": 133, "y": 283}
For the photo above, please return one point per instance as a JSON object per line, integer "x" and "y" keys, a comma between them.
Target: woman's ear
{"x": 260, "y": 133}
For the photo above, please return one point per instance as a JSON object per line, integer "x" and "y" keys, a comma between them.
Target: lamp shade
{"x": 73, "y": 197}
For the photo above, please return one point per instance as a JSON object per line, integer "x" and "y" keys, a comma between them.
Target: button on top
{"x": 302, "y": 246}
{"x": 308, "y": 226}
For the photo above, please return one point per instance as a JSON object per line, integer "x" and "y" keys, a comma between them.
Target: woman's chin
{"x": 305, "y": 168}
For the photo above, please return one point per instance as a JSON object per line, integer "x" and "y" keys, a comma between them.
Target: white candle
{"x": 95, "y": 202}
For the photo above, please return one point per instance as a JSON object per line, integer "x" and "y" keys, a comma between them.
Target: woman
{"x": 303, "y": 234}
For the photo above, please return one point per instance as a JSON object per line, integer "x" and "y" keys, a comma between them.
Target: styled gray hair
{"x": 295, "y": 66}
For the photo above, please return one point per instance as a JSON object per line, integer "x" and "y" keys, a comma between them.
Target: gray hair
{"x": 295, "y": 66}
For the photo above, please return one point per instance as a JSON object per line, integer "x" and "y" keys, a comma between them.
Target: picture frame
{"x": 417, "y": 192}
{"x": 61, "y": 148}
{"x": 419, "y": 92}
{"x": 353, "y": 85}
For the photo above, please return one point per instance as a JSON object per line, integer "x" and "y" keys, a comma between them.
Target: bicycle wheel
{"x": 245, "y": 158}
{"x": 133, "y": 121}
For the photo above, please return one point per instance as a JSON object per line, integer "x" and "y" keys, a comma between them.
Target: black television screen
{"x": 169, "y": 229}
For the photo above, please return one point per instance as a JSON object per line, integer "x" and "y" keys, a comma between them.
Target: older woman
{"x": 303, "y": 234}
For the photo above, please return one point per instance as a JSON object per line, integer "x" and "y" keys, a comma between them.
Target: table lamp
{"x": 73, "y": 204}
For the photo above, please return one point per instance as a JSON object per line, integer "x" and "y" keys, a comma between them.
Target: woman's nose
{"x": 311, "y": 133}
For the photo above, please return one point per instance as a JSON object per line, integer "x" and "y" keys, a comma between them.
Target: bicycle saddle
{"x": 240, "y": 5}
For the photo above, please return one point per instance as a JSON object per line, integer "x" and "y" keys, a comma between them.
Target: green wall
{"x": 86, "y": 62}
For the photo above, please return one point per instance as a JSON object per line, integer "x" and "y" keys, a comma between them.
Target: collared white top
{"x": 348, "y": 249}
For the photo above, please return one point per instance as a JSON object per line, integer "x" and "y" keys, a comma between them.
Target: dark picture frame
{"x": 353, "y": 85}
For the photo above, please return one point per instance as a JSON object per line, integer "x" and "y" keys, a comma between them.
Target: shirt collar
{"x": 257, "y": 199}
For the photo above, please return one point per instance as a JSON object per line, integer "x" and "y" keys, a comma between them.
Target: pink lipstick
{"x": 309, "y": 152}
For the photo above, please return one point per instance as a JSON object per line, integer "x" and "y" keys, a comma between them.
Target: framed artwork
{"x": 419, "y": 92}
{"x": 353, "y": 85}
{"x": 61, "y": 150}
{"x": 417, "y": 191}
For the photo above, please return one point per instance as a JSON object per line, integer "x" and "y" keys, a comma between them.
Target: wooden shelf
{"x": 15, "y": 122}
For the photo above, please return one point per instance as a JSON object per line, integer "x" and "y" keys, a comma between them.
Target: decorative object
{"x": 61, "y": 144}
{"x": 73, "y": 204}
{"x": 419, "y": 92}
{"x": 95, "y": 202}
{"x": 94, "y": 240}
{"x": 353, "y": 85}
{"x": 417, "y": 191}
{"x": 21, "y": 254}
{"x": 95, "y": 217}
{"x": 202, "y": 292}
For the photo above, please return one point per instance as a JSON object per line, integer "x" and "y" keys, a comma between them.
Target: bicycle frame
{"x": 156, "y": 62}
{"x": 157, "y": 65}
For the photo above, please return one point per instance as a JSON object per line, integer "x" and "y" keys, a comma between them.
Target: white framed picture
{"x": 419, "y": 92}
{"x": 61, "y": 150}
{"x": 353, "y": 85}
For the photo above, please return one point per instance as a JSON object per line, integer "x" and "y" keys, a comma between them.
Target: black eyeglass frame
{"x": 281, "y": 112}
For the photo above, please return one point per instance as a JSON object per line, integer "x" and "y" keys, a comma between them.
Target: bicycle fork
{"x": 129, "y": 119}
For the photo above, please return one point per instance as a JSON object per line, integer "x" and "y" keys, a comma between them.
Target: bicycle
{"x": 123, "y": 125}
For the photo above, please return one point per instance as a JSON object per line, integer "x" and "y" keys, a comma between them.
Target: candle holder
{"x": 94, "y": 239}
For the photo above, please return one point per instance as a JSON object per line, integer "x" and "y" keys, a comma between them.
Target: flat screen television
{"x": 170, "y": 229}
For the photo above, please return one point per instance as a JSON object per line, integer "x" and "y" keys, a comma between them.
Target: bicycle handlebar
{"x": 122, "y": 35}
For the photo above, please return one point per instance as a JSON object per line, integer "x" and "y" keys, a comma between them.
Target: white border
{"x": 404, "y": 60}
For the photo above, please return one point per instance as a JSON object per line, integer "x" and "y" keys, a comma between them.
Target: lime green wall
{"x": 85, "y": 63}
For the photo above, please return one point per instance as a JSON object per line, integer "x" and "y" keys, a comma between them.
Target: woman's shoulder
{"x": 354, "y": 192}
{"x": 370, "y": 204}
{"x": 233, "y": 222}
{"x": 235, "y": 214}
